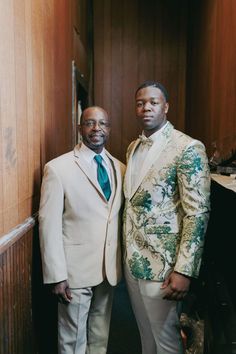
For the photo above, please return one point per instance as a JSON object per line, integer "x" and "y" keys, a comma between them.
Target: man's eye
{"x": 154, "y": 103}
{"x": 89, "y": 124}
{"x": 103, "y": 124}
{"x": 139, "y": 104}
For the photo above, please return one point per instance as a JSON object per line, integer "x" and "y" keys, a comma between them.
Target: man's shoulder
{"x": 60, "y": 160}
{"x": 182, "y": 139}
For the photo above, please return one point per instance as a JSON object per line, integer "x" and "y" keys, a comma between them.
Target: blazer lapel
{"x": 82, "y": 163}
{"x": 153, "y": 155}
{"x": 128, "y": 173}
{"x": 117, "y": 182}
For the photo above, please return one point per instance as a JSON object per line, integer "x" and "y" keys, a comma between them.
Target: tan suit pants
{"x": 157, "y": 319}
{"x": 83, "y": 325}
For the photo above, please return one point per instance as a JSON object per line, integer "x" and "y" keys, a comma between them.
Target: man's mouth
{"x": 96, "y": 136}
{"x": 147, "y": 117}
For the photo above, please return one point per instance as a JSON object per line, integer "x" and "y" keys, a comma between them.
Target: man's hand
{"x": 176, "y": 286}
{"x": 62, "y": 291}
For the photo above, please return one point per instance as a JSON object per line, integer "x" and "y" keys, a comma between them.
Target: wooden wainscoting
{"x": 16, "y": 329}
{"x": 28, "y": 313}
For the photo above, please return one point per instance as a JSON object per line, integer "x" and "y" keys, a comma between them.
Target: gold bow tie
{"x": 148, "y": 142}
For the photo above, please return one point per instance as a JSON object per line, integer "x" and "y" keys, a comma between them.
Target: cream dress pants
{"x": 83, "y": 324}
{"x": 157, "y": 319}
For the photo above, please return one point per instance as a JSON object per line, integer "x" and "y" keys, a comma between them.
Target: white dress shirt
{"x": 140, "y": 154}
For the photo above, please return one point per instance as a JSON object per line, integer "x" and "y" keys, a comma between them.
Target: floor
{"x": 124, "y": 336}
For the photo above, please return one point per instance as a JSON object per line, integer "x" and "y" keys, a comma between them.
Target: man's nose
{"x": 147, "y": 106}
{"x": 96, "y": 126}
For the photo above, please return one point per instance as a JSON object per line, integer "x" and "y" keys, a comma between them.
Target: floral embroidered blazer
{"x": 166, "y": 211}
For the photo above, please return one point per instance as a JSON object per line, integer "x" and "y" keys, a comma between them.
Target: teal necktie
{"x": 102, "y": 177}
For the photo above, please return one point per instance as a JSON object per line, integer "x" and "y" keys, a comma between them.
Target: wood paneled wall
{"x": 16, "y": 327}
{"x": 211, "y": 93}
{"x": 37, "y": 45}
{"x": 38, "y": 41}
{"x": 136, "y": 41}
{"x": 35, "y": 55}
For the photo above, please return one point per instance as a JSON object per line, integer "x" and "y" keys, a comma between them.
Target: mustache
{"x": 97, "y": 134}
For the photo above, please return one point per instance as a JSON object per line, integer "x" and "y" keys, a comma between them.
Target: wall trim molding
{"x": 17, "y": 232}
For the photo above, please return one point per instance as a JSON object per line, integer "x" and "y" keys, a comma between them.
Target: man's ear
{"x": 166, "y": 107}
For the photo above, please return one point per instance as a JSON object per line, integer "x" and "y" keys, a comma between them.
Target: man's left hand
{"x": 176, "y": 286}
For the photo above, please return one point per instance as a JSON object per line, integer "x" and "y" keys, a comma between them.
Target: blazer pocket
{"x": 74, "y": 243}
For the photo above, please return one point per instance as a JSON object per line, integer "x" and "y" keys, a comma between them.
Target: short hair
{"x": 94, "y": 107}
{"x": 154, "y": 84}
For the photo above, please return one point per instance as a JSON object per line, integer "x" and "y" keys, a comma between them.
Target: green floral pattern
{"x": 170, "y": 178}
{"x": 143, "y": 200}
{"x": 159, "y": 229}
{"x": 140, "y": 267}
{"x": 165, "y": 220}
{"x": 191, "y": 163}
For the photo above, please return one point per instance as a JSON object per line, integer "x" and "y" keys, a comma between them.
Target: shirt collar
{"x": 89, "y": 154}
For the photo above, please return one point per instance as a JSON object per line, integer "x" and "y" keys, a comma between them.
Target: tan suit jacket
{"x": 79, "y": 229}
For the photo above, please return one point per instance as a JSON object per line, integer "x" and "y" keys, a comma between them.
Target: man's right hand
{"x": 62, "y": 291}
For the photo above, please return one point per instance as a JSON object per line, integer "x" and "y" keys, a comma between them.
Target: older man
{"x": 167, "y": 204}
{"x": 79, "y": 220}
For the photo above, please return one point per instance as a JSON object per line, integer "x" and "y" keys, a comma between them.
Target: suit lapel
{"x": 83, "y": 165}
{"x": 128, "y": 174}
{"x": 153, "y": 155}
{"x": 117, "y": 182}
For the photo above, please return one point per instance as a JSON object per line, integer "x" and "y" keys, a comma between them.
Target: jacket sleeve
{"x": 50, "y": 228}
{"x": 194, "y": 186}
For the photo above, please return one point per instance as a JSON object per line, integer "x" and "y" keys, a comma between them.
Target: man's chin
{"x": 97, "y": 143}
{"x": 95, "y": 146}
{"x": 147, "y": 127}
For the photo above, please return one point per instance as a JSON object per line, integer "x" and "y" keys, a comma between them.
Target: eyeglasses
{"x": 92, "y": 123}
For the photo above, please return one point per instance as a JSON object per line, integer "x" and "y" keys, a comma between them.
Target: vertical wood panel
{"x": 16, "y": 330}
{"x": 116, "y": 78}
{"x": 212, "y": 87}
{"x": 62, "y": 75}
{"x": 107, "y": 67}
{"x": 133, "y": 42}
{"x": 158, "y": 45}
{"x": 1, "y": 182}
{"x": 36, "y": 53}
{"x": 37, "y": 88}
{"x": 35, "y": 103}
{"x": 32, "y": 140}
{"x": 21, "y": 107}
{"x": 147, "y": 16}
{"x": 99, "y": 48}
{"x": 130, "y": 73}
{"x": 48, "y": 37}
{"x": 8, "y": 115}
